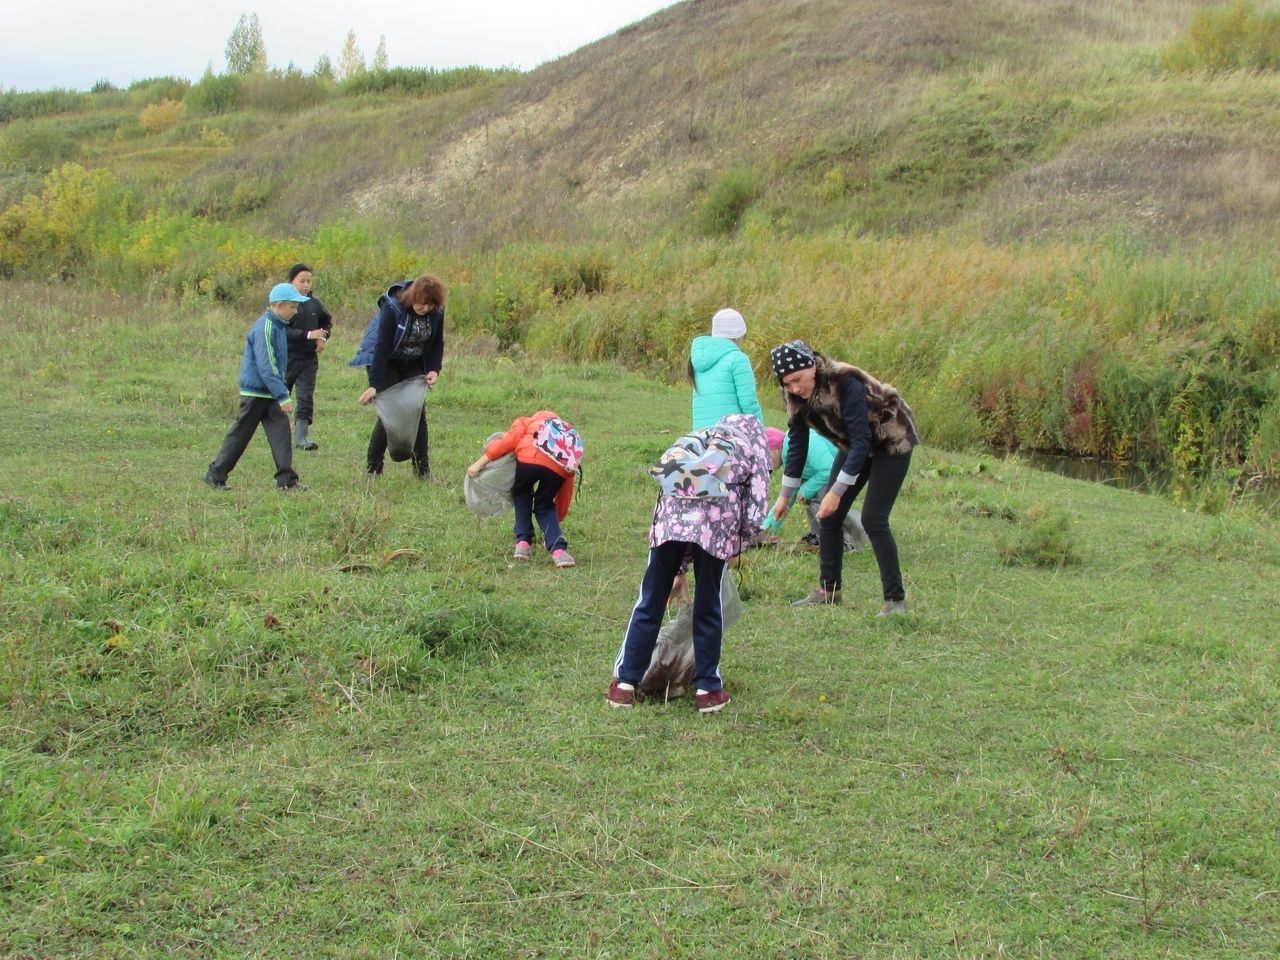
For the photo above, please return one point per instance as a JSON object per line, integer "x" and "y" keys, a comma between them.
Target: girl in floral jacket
{"x": 714, "y": 499}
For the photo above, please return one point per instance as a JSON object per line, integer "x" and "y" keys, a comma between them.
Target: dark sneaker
{"x": 307, "y": 445}
{"x": 620, "y": 696}
{"x": 713, "y": 701}
{"x": 818, "y": 596}
{"x": 523, "y": 550}
{"x": 810, "y": 541}
{"x": 216, "y": 484}
{"x": 893, "y": 608}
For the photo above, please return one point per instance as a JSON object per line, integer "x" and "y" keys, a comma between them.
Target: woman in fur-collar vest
{"x": 874, "y": 432}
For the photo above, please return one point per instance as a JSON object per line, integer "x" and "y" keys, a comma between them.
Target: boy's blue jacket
{"x": 266, "y": 354}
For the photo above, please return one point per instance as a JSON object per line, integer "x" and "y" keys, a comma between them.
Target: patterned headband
{"x": 792, "y": 355}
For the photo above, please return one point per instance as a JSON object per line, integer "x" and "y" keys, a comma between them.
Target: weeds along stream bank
{"x": 346, "y": 724}
{"x": 1106, "y": 350}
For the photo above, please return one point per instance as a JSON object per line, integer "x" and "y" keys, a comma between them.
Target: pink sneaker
{"x": 562, "y": 559}
{"x": 523, "y": 550}
{"x": 620, "y": 696}
{"x": 713, "y": 701}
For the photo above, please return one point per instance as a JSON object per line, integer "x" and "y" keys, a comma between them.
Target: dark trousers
{"x": 302, "y": 373}
{"x": 651, "y": 607}
{"x": 882, "y": 478}
{"x": 377, "y": 452}
{"x": 534, "y": 495}
{"x": 275, "y": 424}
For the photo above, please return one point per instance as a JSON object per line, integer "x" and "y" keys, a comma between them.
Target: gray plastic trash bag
{"x": 671, "y": 666}
{"x": 400, "y": 408}
{"x": 489, "y": 495}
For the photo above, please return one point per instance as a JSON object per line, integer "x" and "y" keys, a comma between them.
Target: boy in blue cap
{"x": 264, "y": 398}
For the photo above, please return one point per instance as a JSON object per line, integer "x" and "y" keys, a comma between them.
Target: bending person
{"x": 405, "y": 340}
{"x": 874, "y": 432}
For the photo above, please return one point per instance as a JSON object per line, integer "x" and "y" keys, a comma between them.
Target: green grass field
{"x": 237, "y": 725}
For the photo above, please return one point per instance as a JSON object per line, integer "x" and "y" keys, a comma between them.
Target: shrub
{"x": 59, "y": 227}
{"x": 249, "y": 195}
{"x": 1234, "y": 37}
{"x": 421, "y": 81}
{"x": 37, "y": 145}
{"x": 215, "y": 93}
{"x": 278, "y": 92}
{"x": 159, "y": 117}
{"x": 1043, "y": 538}
{"x": 727, "y": 201}
{"x": 41, "y": 103}
{"x": 104, "y": 86}
{"x": 156, "y": 89}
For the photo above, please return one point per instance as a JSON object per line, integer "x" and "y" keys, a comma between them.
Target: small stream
{"x": 1125, "y": 476}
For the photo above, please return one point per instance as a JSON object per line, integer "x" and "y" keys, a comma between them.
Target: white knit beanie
{"x": 728, "y": 323}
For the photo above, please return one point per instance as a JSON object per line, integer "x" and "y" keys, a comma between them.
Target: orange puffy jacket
{"x": 519, "y": 438}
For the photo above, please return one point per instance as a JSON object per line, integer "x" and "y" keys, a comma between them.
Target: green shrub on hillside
{"x": 1234, "y": 37}
{"x": 214, "y": 94}
{"x": 37, "y": 145}
{"x": 41, "y": 103}
{"x": 59, "y": 228}
{"x": 421, "y": 81}
{"x": 727, "y": 201}
{"x": 158, "y": 89}
{"x": 281, "y": 91}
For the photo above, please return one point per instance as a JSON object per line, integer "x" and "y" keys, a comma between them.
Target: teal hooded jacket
{"x": 723, "y": 382}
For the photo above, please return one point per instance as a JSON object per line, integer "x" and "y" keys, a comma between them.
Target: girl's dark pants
{"x": 275, "y": 424}
{"x": 396, "y": 372}
{"x": 646, "y": 617}
{"x": 883, "y": 478}
{"x": 534, "y": 495}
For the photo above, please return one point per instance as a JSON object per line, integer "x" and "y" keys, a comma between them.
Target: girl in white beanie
{"x": 721, "y": 375}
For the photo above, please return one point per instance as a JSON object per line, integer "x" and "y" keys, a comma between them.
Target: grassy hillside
{"x": 241, "y": 725}
{"x": 1017, "y": 120}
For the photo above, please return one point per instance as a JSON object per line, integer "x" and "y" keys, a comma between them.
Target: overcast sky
{"x": 74, "y": 43}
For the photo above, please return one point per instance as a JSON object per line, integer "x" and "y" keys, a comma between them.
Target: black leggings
{"x": 882, "y": 476}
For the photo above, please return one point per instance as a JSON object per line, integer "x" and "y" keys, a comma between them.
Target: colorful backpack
{"x": 689, "y": 466}
{"x": 560, "y": 441}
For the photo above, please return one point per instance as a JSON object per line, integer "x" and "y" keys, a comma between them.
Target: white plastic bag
{"x": 400, "y": 409}
{"x": 489, "y": 494}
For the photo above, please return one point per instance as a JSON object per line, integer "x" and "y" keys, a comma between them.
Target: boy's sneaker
{"x": 818, "y": 596}
{"x": 810, "y": 540}
{"x": 523, "y": 550}
{"x": 621, "y": 694}
{"x": 216, "y": 484}
{"x": 713, "y": 701}
{"x": 562, "y": 558}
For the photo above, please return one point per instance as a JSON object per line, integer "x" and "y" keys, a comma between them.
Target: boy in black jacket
{"x": 307, "y": 336}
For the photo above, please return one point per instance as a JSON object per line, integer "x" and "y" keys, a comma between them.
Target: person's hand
{"x": 317, "y": 334}
{"x": 287, "y": 406}
{"x": 366, "y": 398}
{"x": 476, "y": 468}
{"x": 780, "y": 508}
{"x": 320, "y": 342}
{"x": 431, "y": 377}
{"x": 830, "y": 504}
{"x": 679, "y": 595}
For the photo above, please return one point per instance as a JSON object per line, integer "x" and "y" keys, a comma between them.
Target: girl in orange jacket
{"x": 548, "y": 452}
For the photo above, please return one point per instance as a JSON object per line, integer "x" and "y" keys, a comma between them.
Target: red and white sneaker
{"x": 523, "y": 550}
{"x": 621, "y": 694}
{"x": 713, "y": 701}
{"x": 562, "y": 559}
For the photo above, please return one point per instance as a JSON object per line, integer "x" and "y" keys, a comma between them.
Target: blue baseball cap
{"x": 286, "y": 291}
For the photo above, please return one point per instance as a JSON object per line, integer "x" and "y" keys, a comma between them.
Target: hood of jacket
{"x": 706, "y": 352}
{"x": 392, "y": 297}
